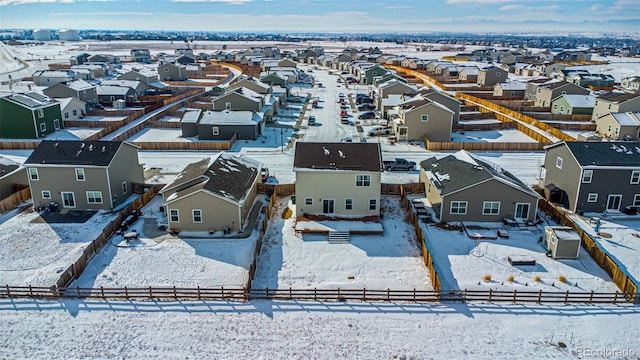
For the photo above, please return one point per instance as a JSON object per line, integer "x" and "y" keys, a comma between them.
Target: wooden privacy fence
{"x": 74, "y": 271}
{"x": 311, "y": 294}
{"x": 506, "y": 114}
{"x": 258, "y": 248}
{"x": 12, "y": 201}
{"x": 19, "y": 145}
{"x": 484, "y": 146}
{"x": 190, "y": 146}
{"x": 398, "y": 189}
{"x": 625, "y": 282}
{"x": 280, "y": 189}
{"x": 480, "y": 127}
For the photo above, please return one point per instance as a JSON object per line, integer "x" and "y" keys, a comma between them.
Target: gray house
{"x": 222, "y": 125}
{"x": 489, "y": 76}
{"x": 172, "y": 72}
{"x": 146, "y": 77}
{"x": 543, "y": 93}
{"x": 108, "y": 94}
{"x": 592, "y": 176}
{"x": 213, "y": 194}
{"x": 140, "y": 55}
{"x": 462, "y": 187}
{"x": 87, "y": 175}
{"x": 79, "y": 89}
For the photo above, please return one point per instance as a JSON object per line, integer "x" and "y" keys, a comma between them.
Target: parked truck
{"x": 399, "y": 165}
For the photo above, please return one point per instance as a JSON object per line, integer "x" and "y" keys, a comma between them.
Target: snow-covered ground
{"x": 503, "y": 135}
{"x": 388, "y": 261}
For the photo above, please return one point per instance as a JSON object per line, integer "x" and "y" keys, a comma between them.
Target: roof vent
{"x": 341, "y": 154}
{"x": 326, "y": 151}
{"x": 104, "y": 148}
{"x": 90, "y": 147}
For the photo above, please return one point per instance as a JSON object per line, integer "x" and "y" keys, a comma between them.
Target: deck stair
{"x": 339, "y": 237}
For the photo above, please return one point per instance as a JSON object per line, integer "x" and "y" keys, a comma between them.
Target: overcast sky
{"x": 480, "y": 16}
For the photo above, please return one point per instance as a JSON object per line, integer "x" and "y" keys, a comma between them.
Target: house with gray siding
{"x": 592, "y": 176}
{"x": 213, "y": 195}
{"x": 172, "y": 72}
{"x": 420, "y": 117}
{"x": 443, "y": 99}
{"x": 489, "y": 76}
{"x": 108, "y": 94}
{"x": 52, "y": 77}
{"x": 510, "y": 89}
{"x": 543, "y": 91}
{"x": 147, "y": 77}
{"x": 140, "y": 55}
{"x": 79, "y": 89}
{"x": 463, "y": 187}
{"x": 224, "y": 124}
{"x": 338, "y": 180}
{"x": 84, "y": 175}
{"x": 631, "y": 84}
{"x": 72, "y": 108}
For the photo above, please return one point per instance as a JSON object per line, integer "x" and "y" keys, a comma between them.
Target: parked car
{"x": 399, "y": 164}
{"x": 366, "y": 107}
{"x": 312, "y": 120}
{"x": 347, "y": 139}
{"x": 343, "y": 113}
{"x": 353, "y": 81}
{"x": 364, "y": 100}
{"x": 367, "y": 115}
{"x": 341, "y": 95}
{"x": 264, "y": 174}
{"x": 379, "y": 130}
{"x": 344, "y": 73}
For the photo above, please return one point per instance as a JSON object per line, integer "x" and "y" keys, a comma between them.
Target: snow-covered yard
{"x": 163, "y": 260}
{"x": 388, "y": 261}
{"x": 463, "y": 263}
{"x": 506, "y": 135}
{"x": 33, "y": 252}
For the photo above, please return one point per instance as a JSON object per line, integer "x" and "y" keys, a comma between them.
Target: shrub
{"x": 511, "y": 278}
{"x": 537, "y": 278}
{"x": 486, "y": 278}
{"x": 286, "y": 213}
{"x": 562, "y": 279}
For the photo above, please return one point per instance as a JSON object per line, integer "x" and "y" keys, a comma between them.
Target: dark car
{"x": 364, "y": 100}
{"x": 367, "y": 115}
{"x": 365, "y": 107}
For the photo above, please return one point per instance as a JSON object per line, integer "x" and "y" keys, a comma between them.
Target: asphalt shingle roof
{"x": 74, "y": 152}
{"x": 605, "y": 153}
{"x": 338, "y": 156}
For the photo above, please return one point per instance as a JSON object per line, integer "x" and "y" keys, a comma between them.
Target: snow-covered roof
{"x": 627, "y": 119}
{"x": 228, "y": 117}
{"x": 580, "y": 101}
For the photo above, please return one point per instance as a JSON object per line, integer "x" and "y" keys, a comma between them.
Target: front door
{"x": 327, "y": 206}
{"x": 613, "y": 202}
{"x": 403, "y": 133}
{"x": 522, "y": 211}
{"x": 68, "y": 200}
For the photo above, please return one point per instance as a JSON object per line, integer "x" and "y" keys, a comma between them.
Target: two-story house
{"x": 619, "y": 126}
{"x": 84, "y": 175}
{"x": 592, "y": 176}
{"x": 29, "y": 115}
{"x": 543, "y": 92}
{"x": 79, "y": 89}
{"x": 420, "y": 116}
{"x": 172, "y": 72}
{"x": 615, "y": 102}
{"x": 491, "y": 75}
{"x": 339, "y": 180}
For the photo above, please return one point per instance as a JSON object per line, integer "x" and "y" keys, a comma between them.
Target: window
{"x": 197, "y": 215}
{"x": 174, "y": 215}
{"x": 33, "y": 174}
{"x": 124, "y": 187}
{"x": 559, "y": 162}
{"x": 498, "y": 73}
{"x": 458, "y": 207}
{"x": 491, "y": 208}
{"x": 166, "y": 69}
{"x": 363, "y": 180}
{"x": 80, "y": 175}
{"x": 587, "y": 175}
{"x": 348, "y": 204}
{"x": 592, "y": 197}
{"x": 75, "y": 112}
{"x": 609, "y": 128}
{"x": 94, "y": 197}
{"x": 424, "y": 117}
{"x": 40, "y": 113}
{"x": 635, "y": 177}
{"x": 56, "y": 124}
{"x": 555, "y": 106}
{"x": 216, "y": 130}
{"x": 636, "y": 200}
{"x": 43, "y": 127}
{"x": 46, "y": 194}
{"x": 227, "y": 105}
{"x": 561, "y": 109}
{"x": 66, "y": 115}
{"x": 373, "y": 204}
{"x": 308, "y": 201}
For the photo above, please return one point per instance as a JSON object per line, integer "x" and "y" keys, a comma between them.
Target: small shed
{"x": 562, "y": 242}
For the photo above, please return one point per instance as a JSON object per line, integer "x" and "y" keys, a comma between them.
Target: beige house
{"x": 469, "y": 74}
{"x": 631, "y": 84}
{"x": 491, "y": 75}
{"x": 463, "y": 187}
{"x": 619, "y": 126}
{"x": 615, "y": 102}
{"x": 72, "y": 108}
{"x": 252, "y": 84}
{"x": 11, "y": 174}
{"x": 394, "y": 87}
{"x": 420, "y": 116}
{"x": 86, "y": 175}
{"x": 213, "y": 194}
{"x": 240, "y": 99}
{"x": 337, "y": 179}
{"x": 511, "y": 89}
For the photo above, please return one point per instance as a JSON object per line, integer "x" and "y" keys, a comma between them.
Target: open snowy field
{"x": 388, "y": 261}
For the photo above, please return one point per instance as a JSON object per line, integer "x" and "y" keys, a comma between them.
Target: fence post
{"x": 490, "y": 293}
{"x": 591, "y": 297}
{"x": 364, "y": 294}
{"x": 150, "y": 293}
{"x": 615, "y": 298}
{"x": 464, "y": 296}
{"x": 102, "y": 291}
{"x": 515, "y": 294}
{"x": 291, "y": 293}
{"x": 30, "y": 290}
{"x": 266, "y": 292}
{"x": 78, "y": 291}
{"x": 126, "y": 293}
{"x": 566, "y": 296}
{"x": 540, "y": 296}
{"x": 8, "y": 291}
{"x": 388, "y": 295}
{"x": 315, "y": 294}
{"x": 199, "y": 296}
